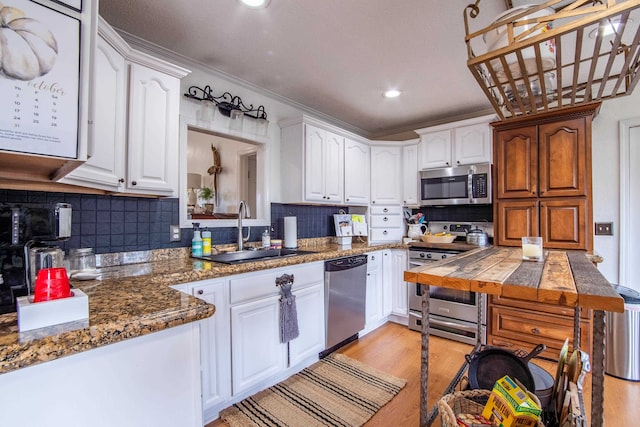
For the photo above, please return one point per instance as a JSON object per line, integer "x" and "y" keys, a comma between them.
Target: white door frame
{"x": 625, "y": 188}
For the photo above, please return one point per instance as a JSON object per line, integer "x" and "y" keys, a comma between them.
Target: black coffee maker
{"x": 24, "y": 226}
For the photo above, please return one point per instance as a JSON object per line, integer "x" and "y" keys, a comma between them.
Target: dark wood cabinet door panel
{"x": 562, "y": 150}
{"x": 517, "y": 219}
{"x": 563, "y": 223}
{"x": 516, "y": 157}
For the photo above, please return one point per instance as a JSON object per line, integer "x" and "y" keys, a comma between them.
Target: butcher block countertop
{"x": 135, "y": 299}
{"x": 565, "y": 278}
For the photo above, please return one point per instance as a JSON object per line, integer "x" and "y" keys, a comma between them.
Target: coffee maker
{"x": 28, "y": 233}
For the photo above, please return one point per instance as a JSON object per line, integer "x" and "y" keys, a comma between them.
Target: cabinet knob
{"x": 121, "y": 180}
{"x": 385, "y": 219}
{"x": 347, "y": 200}
{"x": 458, "y": 161}
{"x": 373, "y": 257}
{"x": 373, "y": 202}
{"x": 134, "y": 183}
{"x": 200, "y": 292}
{"x": 535, "y": 331}
{"x": 385, "y": 210}
{"x": 447, "y": 163}
{"x": 385, "y": 232}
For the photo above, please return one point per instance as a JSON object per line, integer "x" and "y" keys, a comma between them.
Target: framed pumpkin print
{"x": 73, "y": 4}
{"x": 39, "y": 79}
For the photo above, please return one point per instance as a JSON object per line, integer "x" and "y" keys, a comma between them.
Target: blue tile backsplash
{"x": 122, "y": 224}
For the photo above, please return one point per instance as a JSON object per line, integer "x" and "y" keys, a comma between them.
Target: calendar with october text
{"x": 39, "y": 80}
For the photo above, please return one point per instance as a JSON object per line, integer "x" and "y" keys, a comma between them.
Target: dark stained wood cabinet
{"x": 516, "y": 324}
{"x": 542, "y": 187}
{"x": 542, "y": 168}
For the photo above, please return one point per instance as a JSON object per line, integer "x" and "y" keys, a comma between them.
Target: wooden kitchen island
{"x": 566, "y": 278}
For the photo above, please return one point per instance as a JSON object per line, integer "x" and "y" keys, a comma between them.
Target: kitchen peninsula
{"x": 566, "y": 278}
{"x": 139, "y": 350}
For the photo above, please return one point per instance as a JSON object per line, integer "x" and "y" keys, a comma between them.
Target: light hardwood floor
{"x": 395, "y": 349}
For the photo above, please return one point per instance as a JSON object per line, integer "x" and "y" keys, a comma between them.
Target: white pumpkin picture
{"x": 27, "y": 48}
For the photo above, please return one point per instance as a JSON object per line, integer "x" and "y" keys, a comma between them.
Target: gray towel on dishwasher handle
{"x": 288, "y": 314}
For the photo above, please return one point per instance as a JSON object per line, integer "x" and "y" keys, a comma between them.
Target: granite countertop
{"x": 135, "y": 300}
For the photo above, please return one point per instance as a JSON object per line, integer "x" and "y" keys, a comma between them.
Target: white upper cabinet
{"x": 136, "y": 99}
{"x": 321, "y": 165}
{"x": 455, "y": 144}
{"x": 410, "y": 175}
{"x": 435, "y": 150}
{"x": 324, "y": 165}
{"x": 357, "y": 167}
{"x": 472, "y": 144}
{"x": 386, "y": 167}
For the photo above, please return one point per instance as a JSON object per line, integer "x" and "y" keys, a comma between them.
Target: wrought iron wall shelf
{"x": 226, "y": 102}
{"x": 579, "y": 53}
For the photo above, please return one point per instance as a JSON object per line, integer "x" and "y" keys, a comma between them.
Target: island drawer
{"x": 517, "y": 328}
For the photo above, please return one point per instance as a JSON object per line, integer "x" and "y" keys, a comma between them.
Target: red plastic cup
{"x": 51, "y": 284}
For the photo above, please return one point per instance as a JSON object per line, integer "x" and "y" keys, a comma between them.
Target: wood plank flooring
{"x": 395, "y": 349}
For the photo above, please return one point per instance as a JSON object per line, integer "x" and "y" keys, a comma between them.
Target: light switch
{"x": 604, "y": 229}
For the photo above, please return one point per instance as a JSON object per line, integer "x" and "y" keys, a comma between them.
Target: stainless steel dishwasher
{"x": 345, "y": 285}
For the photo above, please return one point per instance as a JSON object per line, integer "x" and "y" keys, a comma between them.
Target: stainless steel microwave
{"x": 460, "y": 185}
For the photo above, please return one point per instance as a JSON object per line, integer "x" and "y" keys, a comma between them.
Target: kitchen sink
{"x": 249, "y": 255}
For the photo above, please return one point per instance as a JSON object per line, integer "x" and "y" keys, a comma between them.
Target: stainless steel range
{"x": 453, "y": 313}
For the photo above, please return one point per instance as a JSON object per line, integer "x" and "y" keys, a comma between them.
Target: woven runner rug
{"x": 336, "y": 391}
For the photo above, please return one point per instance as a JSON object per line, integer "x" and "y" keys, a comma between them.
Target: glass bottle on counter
{"x": 266, "y": 239}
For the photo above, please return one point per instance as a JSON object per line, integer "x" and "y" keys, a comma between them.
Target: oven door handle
{"x": 452, "y": 325}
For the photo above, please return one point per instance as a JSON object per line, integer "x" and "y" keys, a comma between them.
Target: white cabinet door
{"x": 374, "y": 294}
{"x": 256, "y": 351}
{"x": 333, "y": 165}
{"x": 399, "y": 287}
{"x": 154, "y": 108}
{"x": 472, "y": 144}
{"x": 215, "y": 340}
{"x": 324, "y": 165}
{"x": 357, "y": 167}
{"x": 313, "y": 179}
{"x": 410, "y": 175}
{"x": 435, "y": 150}
{"x": 387, "y": 282}
{"x": 386, "y": 165}
{"x": 310, "y": 309}
{"x": 105, "y": 168}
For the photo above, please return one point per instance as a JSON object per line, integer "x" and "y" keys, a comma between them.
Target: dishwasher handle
{"x": 345, "y": 263}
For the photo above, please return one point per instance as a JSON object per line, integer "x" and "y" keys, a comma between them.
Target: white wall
{"x": 606, "y": 177}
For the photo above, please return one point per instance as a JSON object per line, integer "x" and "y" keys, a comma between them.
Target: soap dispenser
{"x": 196, "y": 242}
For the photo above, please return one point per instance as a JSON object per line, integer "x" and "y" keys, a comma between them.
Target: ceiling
{"x": 333, "y": 57}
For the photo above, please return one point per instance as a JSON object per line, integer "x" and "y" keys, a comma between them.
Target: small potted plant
{"x": 207, "y": 194}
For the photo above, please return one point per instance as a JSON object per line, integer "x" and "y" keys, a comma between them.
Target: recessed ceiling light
{"x": 392, "y": 93}
{"x": 255, "y": 4}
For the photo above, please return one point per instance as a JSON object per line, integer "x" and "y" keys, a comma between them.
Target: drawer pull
{"x": 385, "y": 219}
{"x": 200, "y": 292}
{"x": 502, "y": 343}
{"x": 535, "y": 331}
{"x": 385, "y": 210}
{"x": 385, "y": 232}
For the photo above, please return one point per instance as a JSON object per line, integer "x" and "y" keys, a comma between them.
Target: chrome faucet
{"x": 243, "y": 212}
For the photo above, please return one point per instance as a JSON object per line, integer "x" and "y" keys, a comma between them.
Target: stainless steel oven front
{"x": 453, "y": 313}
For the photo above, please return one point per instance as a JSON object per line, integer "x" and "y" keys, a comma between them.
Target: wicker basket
{"x": 466, "y": 402}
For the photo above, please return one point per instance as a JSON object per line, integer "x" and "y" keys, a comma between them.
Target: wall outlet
{"x": 174, "y": 235}
{"x": 604, "y": 229}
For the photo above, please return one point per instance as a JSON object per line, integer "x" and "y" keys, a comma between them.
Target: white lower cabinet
{"x": 258, "y": 358}
{"x": 374, "y": 308}
{"x": 215, "y": 360}
{"x": 399, "y": 288}
{"x": 257, "y": 353}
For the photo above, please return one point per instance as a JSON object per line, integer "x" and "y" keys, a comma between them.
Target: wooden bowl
{"x": 430, "y": 238}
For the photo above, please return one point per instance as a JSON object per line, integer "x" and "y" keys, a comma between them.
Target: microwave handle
{"x": 470, "y": 183}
